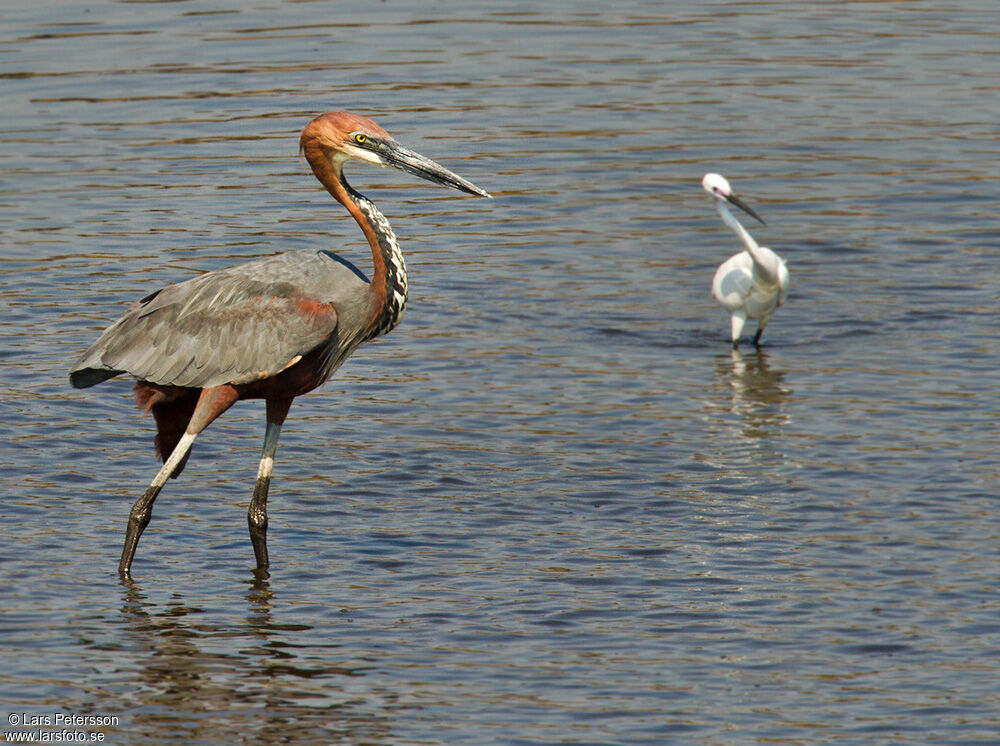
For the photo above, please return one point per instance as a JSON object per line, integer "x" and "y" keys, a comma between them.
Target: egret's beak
{"x": 394, "y": 154}
{"x": 734, "y": 200}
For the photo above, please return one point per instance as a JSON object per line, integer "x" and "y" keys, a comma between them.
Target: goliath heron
{"x": 270, "y": 329}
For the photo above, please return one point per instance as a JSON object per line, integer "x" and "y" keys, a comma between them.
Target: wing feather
{"x": 229, "y": 326}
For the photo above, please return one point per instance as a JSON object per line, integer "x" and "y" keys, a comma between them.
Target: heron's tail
{"x": 82, "y": 378}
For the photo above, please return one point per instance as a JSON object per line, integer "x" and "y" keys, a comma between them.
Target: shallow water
{"x": 552, "y": 506}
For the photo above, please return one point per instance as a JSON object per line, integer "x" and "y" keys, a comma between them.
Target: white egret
{"x": 753, "y": 283}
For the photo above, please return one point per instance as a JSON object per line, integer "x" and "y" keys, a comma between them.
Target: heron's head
{"x": 718, "y": 187}
{"x": 340, "y": 135}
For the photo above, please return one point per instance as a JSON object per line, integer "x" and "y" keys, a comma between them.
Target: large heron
{"x": 269, "y": 329}
{"x": 751, "y": 284}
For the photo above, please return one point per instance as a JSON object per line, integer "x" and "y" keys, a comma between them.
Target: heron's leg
{"x": 211, "y": 403}
{"x": 277, "y": 410}
{"x": 142, "y": 511}
{"x": 737, "y": 321}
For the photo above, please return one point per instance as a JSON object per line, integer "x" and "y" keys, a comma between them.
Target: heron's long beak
{"x": 733, "y": 199}
{"x": 394, "y": 154}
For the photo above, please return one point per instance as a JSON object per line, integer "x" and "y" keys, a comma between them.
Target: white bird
{"x": 753, "y": 283}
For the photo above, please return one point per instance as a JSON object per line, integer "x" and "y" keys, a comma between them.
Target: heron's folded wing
{"x": 221, "y": 327}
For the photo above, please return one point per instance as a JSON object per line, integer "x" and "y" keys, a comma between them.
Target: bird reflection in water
{"x": 757, "y": 391}
{"x": 198, "y": 678}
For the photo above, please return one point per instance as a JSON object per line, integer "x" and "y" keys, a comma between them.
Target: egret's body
{"x": 750, "y": 285}
{"x": 270, "y": 329}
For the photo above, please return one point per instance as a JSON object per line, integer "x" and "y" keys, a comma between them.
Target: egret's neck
{"x": 763, "y": 263}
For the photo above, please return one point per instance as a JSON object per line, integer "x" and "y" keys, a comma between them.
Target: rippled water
{"x": 552, "y": 506}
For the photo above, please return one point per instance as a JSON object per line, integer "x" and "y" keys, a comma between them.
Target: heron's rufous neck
{"x": 327, "y": 170}
{"x": 388, "y": 284}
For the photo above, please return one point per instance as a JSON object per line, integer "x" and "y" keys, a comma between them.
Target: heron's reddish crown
{"x": 334, "y": 128}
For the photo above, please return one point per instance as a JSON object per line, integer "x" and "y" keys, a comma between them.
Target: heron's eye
{"x": 360, "y": 139}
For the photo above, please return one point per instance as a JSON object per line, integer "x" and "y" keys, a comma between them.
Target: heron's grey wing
{"x": 230, "y": 326}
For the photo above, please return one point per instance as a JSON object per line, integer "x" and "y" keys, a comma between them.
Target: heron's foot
{"x": 258, "y": 537}
{"x": 259, "y": 541}
{"x": 257, "y": 521}
{"x": 138, "y": 519}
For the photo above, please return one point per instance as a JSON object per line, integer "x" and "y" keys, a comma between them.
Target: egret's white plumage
{"x": 750, "y": 284}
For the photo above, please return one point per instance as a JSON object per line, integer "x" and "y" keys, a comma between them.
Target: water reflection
{"x": 757, "y": 391}
{"x": 196, "y": 678}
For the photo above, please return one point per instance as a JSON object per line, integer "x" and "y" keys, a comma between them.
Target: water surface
{"x": 552, "y": 506}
